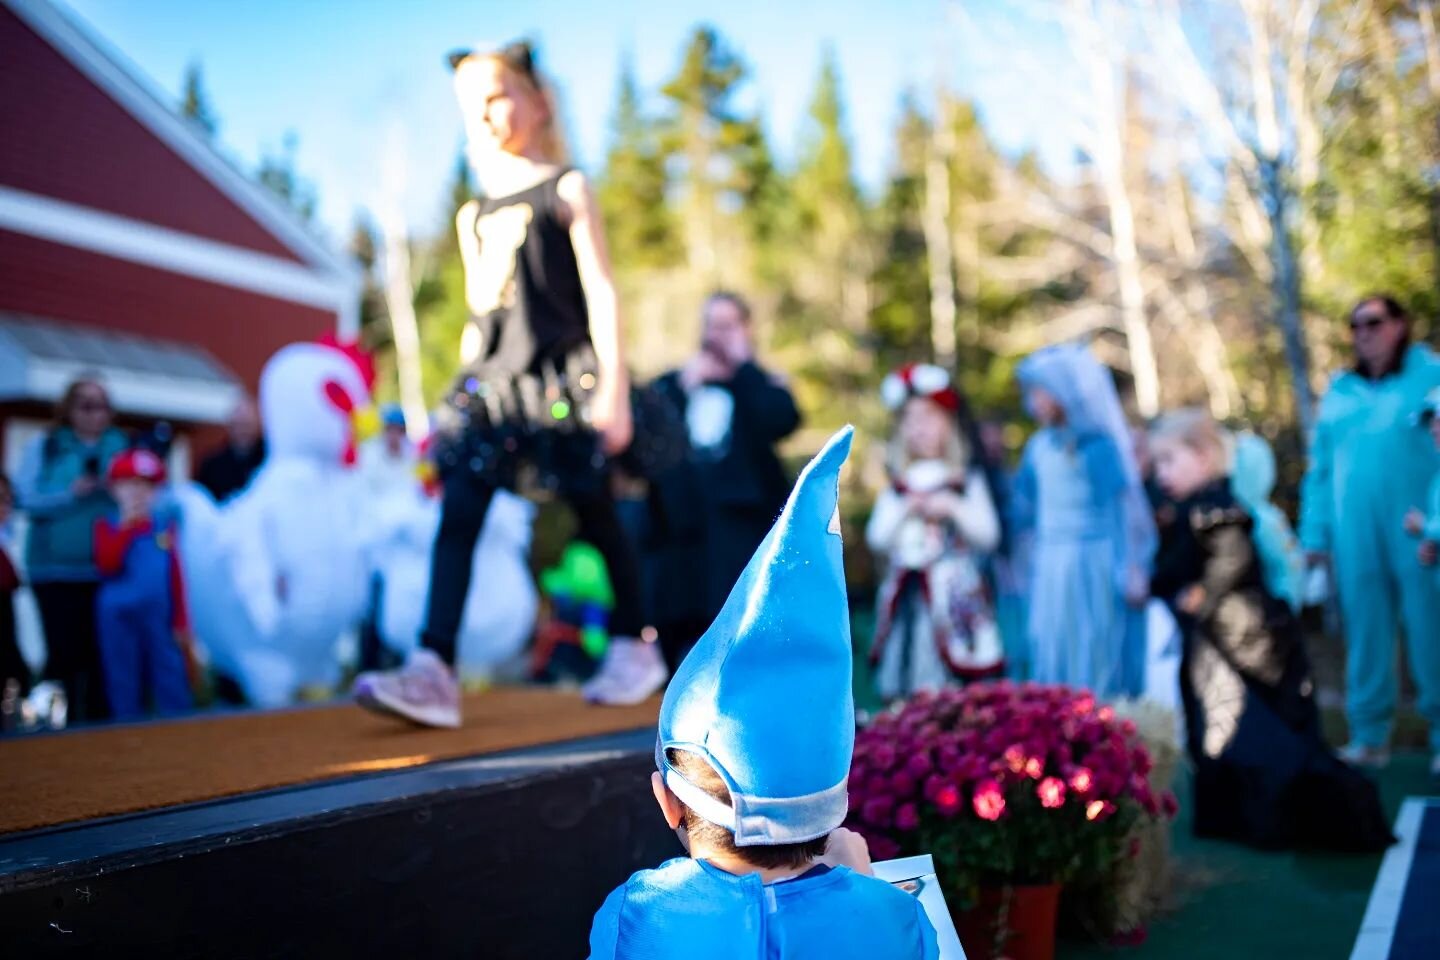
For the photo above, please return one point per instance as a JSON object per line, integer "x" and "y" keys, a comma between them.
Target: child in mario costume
{"x": 145, "y": 642}
{"x": 753, "y": 750}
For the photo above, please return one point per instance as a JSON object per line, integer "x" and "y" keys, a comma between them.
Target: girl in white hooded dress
{"x": 932, "y": 524}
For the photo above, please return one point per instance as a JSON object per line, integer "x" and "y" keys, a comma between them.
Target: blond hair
{"x": 957, "y": 450}
{"x": 518, "y": 63}
{"x": 1196, "y": 429}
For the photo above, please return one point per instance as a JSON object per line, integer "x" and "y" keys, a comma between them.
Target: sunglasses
{"x": 1368, "y": 323}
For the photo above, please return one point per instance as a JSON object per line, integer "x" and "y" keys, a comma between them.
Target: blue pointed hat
{"x": 765, "y": 695}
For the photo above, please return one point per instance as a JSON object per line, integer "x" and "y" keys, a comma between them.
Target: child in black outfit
{"x": 1263, "y": 775}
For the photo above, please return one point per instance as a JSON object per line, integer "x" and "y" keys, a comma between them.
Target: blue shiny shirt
{"x": 688, "y": 909}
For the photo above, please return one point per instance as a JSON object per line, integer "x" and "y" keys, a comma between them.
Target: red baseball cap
{"x": 137, "y": 465}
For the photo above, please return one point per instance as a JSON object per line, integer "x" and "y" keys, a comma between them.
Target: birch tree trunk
{"x": 400, "y": 292}
{"x": 938, "y": 250}
{"x": 1109, "y": 157}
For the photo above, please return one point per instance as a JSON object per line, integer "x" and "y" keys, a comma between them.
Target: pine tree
{"x": 278, "y": 173}
{"x": 195, "y": 102}
{"x": 832, "y": 248}
{"x": 632, "y": 189}
{"x": 701, "y": 135}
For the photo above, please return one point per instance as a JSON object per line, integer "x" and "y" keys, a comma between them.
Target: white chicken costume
{"x": 502, "y": 603}
{"x": 278, "y": 574}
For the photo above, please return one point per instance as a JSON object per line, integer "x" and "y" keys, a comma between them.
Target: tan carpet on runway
{"x": 47, "y": 780}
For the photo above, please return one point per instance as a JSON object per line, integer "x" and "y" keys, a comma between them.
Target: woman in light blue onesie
{"x": 1365, "y": 472}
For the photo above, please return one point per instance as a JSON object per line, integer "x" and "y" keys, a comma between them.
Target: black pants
{"x": 12, "y": 664}
{"x": 67, "y": 611}
{"x": 466, "y": 501}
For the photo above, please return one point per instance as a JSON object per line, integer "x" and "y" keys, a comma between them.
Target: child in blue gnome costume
{"x": 754, "y": 745}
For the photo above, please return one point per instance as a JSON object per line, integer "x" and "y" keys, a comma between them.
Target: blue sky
{"x": 349, "y": 77}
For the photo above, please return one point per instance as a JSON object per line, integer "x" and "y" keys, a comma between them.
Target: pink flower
{"x": 1141, "y": 758}
{"x": 918, "y": 765}
{"x": 1169, "y": 804}
{"x": 907, "y": 817}
{"x": 1099, "y": 810}
{"x": 947, "y": 800}
{"x": 1105, "y": 714}
{"x": 1014, "y": 758}
{"x": 933, "y": 785}
{"x": 902, "y": 784}
{"x": 883, "y": 848}
{"x": 1082, "y": 781}
{"x": 1034, "y": 768}
{"x": 1051, "y": 792}
{"x": 989, "y": 801}
{"x": 1127, "y": 727}
{"x": 972, "y": 767}
{"x": 876, "y": 811}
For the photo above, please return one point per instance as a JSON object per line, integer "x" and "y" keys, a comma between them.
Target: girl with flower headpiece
{"x": 936, "y": 622}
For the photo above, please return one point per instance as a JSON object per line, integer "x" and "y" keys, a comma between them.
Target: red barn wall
{"x": 241, "y": 329}
{"x": 66, "y": 138}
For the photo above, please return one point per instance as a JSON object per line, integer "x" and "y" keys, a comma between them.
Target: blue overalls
{"x": 138, "y": 647}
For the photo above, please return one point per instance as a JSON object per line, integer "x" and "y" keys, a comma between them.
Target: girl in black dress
{"x": 543, "y": 398}
{"x": 1263, "y": 776}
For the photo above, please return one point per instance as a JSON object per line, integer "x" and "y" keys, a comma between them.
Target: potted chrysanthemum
{"x": 1015, "y": 790}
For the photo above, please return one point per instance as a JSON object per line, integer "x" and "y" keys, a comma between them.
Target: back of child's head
{"x": 1196, "y": 429}
{"x": 721, "y": 840}
{"x": 765, "y": 699}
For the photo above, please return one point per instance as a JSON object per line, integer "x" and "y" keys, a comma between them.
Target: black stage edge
{"x": 505, "y": 855}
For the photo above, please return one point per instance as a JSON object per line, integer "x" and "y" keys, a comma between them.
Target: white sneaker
{"x": 1360, "y": 755}
{"x": 632, "y": 672}
{"x": 424, "y": 691}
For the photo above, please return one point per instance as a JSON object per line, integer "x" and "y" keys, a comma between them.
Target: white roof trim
{"x": 124, "y": 85}
{"x": 145, "y": 243}
{"x": 179, "y": 395}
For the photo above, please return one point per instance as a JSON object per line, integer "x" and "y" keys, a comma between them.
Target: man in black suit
{"x": 708, "y": 515}
{"x": 226, "y": 471}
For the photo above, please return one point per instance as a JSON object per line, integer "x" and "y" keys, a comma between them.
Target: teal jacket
{"x": 1368, "y": 463}
{"x": 60, "y": 544}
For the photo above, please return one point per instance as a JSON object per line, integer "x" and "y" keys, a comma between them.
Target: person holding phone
{"x": 709, "y": 513}
{"x": 60, "y": 488}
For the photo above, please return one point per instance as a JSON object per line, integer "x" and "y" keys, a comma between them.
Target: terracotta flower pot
{"x": 1013, "y": 922}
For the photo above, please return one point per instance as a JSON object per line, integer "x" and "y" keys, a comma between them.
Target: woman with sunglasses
{"x": 60, "y": 489}
{"x": 1366, "y": 471}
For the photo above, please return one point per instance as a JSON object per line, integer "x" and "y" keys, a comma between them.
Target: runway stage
{"x": 328, "y": 832}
